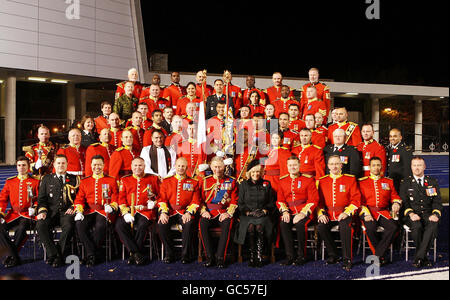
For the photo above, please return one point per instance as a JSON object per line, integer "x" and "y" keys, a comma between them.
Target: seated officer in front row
{"x": 423, "y": 205}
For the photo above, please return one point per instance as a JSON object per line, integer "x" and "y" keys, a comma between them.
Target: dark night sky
{"x": 408, "y": 45}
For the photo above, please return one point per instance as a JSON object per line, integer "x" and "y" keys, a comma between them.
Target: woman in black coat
{"x": 89, "y": 135}
{"x": 256, "y": 204}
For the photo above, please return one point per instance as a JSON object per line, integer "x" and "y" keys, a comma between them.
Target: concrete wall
{"x": 38, "y": 35}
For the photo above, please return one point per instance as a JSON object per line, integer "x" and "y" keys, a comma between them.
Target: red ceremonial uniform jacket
{"x": 323, "y": 93}
{"x": 312, "y": 160}
{"x": 246, "y": 96}
{"x": 241, "y": 159}
{"x": 257, "y": 109}
{"x": 138, "y": 87}
{"x": 76, "y": 158}
{"x": 274, "y": 93}
{"x": 178, "y": 195}
{"x": 291, "y": 139}
{"x": 282, "y": 105}
{"x": 276, "y": 162}
{"x": 371, "y": 149}
{"x": 138, "y": 137}
{"x": 94, "y": 192}
{"x": 314, "y": 106}
{"x": 219, "y": 195}
{"x": 154, "y": 104}
{"x": 116, "y": 137}
{"x": 194, "y": 154}
{"x": 174, "y": 92}
{"x": 297, "y": 195}
{"x": 234, "y": 92}
{"x": 100, "y": 123}
{"x": 45, "y": 149}
{"x": 323, "y": 130}
{"x": 138, "y": 191}
{"x": 208, "y": 92}
{"x": 173, "y": 140}
{"x": 120, "y": 163}
{"x": 318, "y": 138}
{"x": 350, "y": 128}
{"x": 338, "y": 194}
{"x": 21, "y": 192}
{"x": 182, "y": 102}
{"x": 377, "y": 194}
{"x": 147, "y": 140}
{"x": 103, "y": 149}
{"x": 214, "y": 128}
{"x": 297, "y": 125}
{"x": 146, "y": 123}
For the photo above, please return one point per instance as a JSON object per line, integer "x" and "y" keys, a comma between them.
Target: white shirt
{"x": 422, "y": 179}
{"x": 162, "y": 169}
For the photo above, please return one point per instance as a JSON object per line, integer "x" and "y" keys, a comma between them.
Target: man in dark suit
{"x": 348, "y": 154}
{"x": 423, "y": 205}
{"x": 211, "y": 101}
{"x": 57, "y": 192}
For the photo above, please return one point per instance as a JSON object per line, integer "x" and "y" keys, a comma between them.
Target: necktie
{"x": 61, "y": 180}
{"x": 420, "y": 181}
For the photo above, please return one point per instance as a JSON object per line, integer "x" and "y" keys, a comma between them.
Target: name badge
{"x": 385, "y": 186}
{"x": 287, "y": 141}
{"x": 342, "y": 188}
{"x": 431, "y": 192}
{"x": 396, "y": 158}
{"x": 344, "y": 159}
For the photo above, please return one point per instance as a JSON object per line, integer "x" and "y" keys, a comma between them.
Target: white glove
{"x": 220, "y": 153}
{"x": 38, "y": 164}
{"x": 31, "y": 211}
{"x": 2, "y": 221}
{"x": 128, "y": 218}
{"x": 203, "y": 167}
{"x": 228, "y": 161}
{"x": 150, "y": 204}
{"x": 79, "y": 217}
{"x": 108, "y": 209}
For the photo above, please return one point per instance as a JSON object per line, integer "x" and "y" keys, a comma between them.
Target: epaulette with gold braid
{"x": 11, "y": 177}
{"x": 307, "y": 175}
{"x": 324, "y": 176}
{"x": 349, "y": 175}
{"x": 320, "y": 148}
{"x": 284, "y": 176}
{"x": 363, "y": 178}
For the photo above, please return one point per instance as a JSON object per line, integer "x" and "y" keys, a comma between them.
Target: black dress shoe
{"x": 299, "y": 261}
{"x": 57, "y": 262}
{"x": 185, "y": 260}
{"x": 139, "y": 259}
{"x": 209, "y": 262}
{"x": 288, "y": 262}
{"x": 220, "y": 263}
{"x": 49, "y": 260}
{"x": 11, "y": 261}
{"x": 332, "y": 260}
{"x": 418, "y": 263}
{"x": 427, "y": 263}
{"x": 347, "y": 265}
{"x": 168, "y": 259}
{"x": 90, "y": 261}
{"x": 131, "y": 260}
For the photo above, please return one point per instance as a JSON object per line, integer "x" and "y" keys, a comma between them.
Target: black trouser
{"x": 377, "y": 245}
{"x": 345, "y": 232}
{"x": 423, "y": 232}
{"x": 20, "y": 227}
{"x": 96, "y": 221}
{"x": 186, "y": 235}
{"x": 286, "y": 234}
{"x": 225, "y": 227}
{"x": 44, "y": 226}
{"x": 134, "y": 244}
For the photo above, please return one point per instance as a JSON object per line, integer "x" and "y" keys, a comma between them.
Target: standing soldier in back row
{"x": 41, "y": 155}
{"x": 398, "y": 158}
